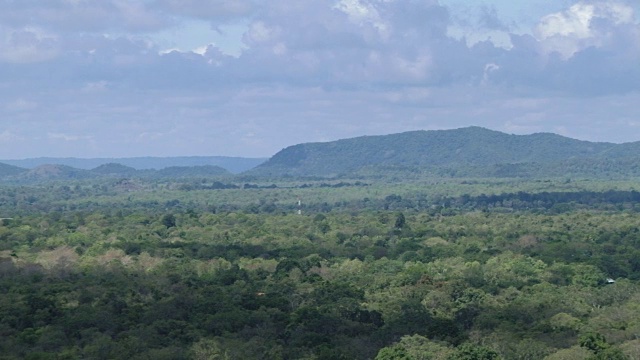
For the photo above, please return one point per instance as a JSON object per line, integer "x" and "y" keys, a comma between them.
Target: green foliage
{"x": 91, "y": 270}
{"x": 169, "y": 220}
{"x": 393, "y": 353}
{"x": 594, "y": 342}
{"x": 465, "y": 152}
{"x": 400, "y": 221}
{"x": 610, "y": 354}
{"x": 602, "y": 350}
{"x": 469, "y": 351}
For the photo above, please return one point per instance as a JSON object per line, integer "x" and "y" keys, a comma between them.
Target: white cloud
{"x": 363, "y": 13}
{"x": 573, "y": 22}
{"x": 488, "y": 69}
{"x": 575, "y": 29}
{"x": 202, "y": 50}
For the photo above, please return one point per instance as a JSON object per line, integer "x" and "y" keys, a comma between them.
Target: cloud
{"x": 20, "y": 105}
{"x": 347, "y": 43}
{"x": 29, "y": 45}
{"x": 363, "y": 13}
{"x": 364, "y": 42}
{"x": 97, "y": 86}
{"x": 68, "y": 137}
{"x": 7, "y": 136}
{"x": 210, "y": 10}
{"x": 308, "y": 70}
{"x": 583, "y": 25}
{"x": 490, "y": 20}
{"x": 89, "y": 16}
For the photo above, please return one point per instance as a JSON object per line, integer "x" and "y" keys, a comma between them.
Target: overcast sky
{"x": 123, "y": 78}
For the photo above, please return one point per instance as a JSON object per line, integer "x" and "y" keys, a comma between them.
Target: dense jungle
{"x": 236, "y": 268}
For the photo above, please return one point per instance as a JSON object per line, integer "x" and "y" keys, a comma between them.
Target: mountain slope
{"x": 48, "y": 172}
{"x": 472, "y": 146}
{"x": 54, "y": 172}
{"x": 113, "y": 169}
{"x": 10, "y": 170}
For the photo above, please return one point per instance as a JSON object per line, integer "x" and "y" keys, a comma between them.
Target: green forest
{"x": 207, "y": 267}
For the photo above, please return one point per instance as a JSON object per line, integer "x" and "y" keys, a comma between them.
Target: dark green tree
{"x": 474, "y": 352}
{"x": 169, "y": 220}
{"x": 401, "y": 221}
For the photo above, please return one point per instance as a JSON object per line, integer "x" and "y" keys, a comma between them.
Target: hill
{"x": 472, "y": 149}
{"x": 54, "y": 172}
{"x": 10, "y": 170}
{"x": 48, "y": 172}
{"x": 232, "y": 164}
{"x": 113, "y": 169}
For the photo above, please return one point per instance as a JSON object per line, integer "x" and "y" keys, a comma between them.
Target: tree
{"x": 208, "y": 349}
{"x": 169, "y": 220}
{"x": 599, "y": 346}
{"x": 474, "y": 352}
{"x": 400, "y": 221}
{"x": 594, "y": 342}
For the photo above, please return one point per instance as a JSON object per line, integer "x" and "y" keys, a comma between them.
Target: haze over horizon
{"x": 114, "y": 79}
{"x": 249, "y": 157}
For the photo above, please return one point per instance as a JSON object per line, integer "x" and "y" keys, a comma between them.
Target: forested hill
{"x": 232, "y": 164}
{"x": 9, "y": 170}
{"x": 47, "y": 172}
{"x": 459, "y": 148}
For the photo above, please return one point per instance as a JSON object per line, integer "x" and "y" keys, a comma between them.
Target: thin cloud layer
{"x": 90, "y": 78}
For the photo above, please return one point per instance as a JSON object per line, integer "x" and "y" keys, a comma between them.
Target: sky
{"x": 126, "y": 78}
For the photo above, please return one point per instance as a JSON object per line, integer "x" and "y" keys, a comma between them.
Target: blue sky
{"x": 116, "y": 78}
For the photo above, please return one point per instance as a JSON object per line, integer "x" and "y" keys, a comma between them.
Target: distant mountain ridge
{"x": 232, "y": 164}
{"x": 454, "y": 149}
{"x": 464, "y": 152}
{"x": 47, "y": 172}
